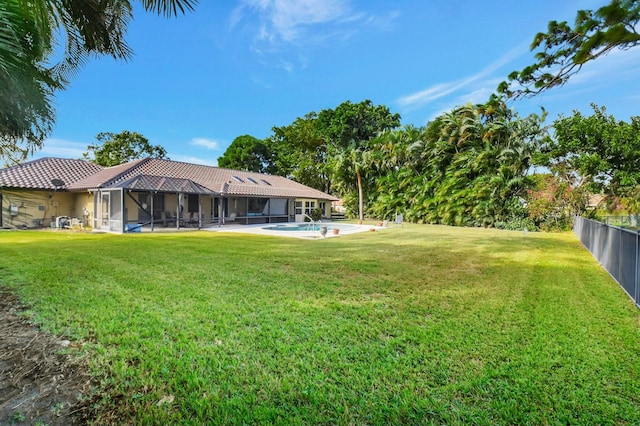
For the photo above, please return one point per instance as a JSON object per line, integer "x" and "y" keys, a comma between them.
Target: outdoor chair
{"x": 398, "y": 220}
{"x": 193, "y": 218}
{"x": 167, "y": 218}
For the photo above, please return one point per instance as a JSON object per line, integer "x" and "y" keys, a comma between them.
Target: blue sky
{"x": 231, "y": 68}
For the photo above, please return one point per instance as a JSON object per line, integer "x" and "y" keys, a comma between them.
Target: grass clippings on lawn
{"x": 413, "y": 325}
{"x": 42, "y": 379}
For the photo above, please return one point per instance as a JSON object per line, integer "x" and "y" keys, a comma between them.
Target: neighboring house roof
{"x": 595, "y": 200}
{"x": 147, "y": 174}
{"x": 39, "y": 174}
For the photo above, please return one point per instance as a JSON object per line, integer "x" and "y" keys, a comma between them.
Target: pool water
{"x": 300, "y": 227}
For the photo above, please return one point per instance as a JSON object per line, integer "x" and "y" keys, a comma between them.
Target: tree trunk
{"x": 360, "y": 201}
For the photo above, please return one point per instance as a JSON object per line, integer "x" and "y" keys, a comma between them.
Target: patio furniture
{"x": 167, "y": 218}
{"x": 193, "y": 219}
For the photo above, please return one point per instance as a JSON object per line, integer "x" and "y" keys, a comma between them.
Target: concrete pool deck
{"x": 258, "y": 230}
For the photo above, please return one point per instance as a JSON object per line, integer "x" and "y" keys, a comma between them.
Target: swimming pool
{"x": 301, "y": 227}
{"x": 295, "y": 229}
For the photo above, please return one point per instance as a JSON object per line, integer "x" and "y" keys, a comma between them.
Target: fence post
{"x": 637, "y": 280}
{"x": 619, "y": 254}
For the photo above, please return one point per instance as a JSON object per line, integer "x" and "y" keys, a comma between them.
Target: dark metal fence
{"x": 623, "y": 221}
{"x": 617, "y": 249}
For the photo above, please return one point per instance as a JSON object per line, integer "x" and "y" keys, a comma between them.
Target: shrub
{"x": 315, "y": 214}
{"x": 518, "y": 223}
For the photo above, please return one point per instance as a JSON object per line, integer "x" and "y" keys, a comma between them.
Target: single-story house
{"x": 594, "y": 201}
{"x": 148, "y": 194}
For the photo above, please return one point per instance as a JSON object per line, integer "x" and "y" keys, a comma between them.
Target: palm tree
{"x": 26, "y": 86}
{"x": 30, "y": 31}
{"x": 346, "y": 163}
{"x": 350, "y": 130}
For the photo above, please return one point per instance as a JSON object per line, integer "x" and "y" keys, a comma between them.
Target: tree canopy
{"x": 471, "y": 166}
{"x": 42, "y": 44}
{"x": 119, "y": 148}
{"x": 299, "y": 152}
{"x": 563, "y": 50}
{"x": 596, "y": 151}
{"x": 468, "y": 167}
{"x": 352, "y": 125}
{"x": 247, "y": 153}
{"x": 348, "y": 130}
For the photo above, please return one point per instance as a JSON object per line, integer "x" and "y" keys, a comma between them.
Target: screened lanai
{"x": 149, "y": 202}
{"x": 252, "y": 210}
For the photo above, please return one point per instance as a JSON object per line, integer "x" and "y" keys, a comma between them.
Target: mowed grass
{"x": 412, "y": 325}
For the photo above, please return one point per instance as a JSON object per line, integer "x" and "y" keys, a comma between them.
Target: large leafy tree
{"x": 42, "y": 44}
{"x": 349, "y": 130}
{"x": 553, "y": 202}
{"x": 563, "y": 49}
{"x": 300, "y": 152}
{"x": 596, "y": 151}
{"x": 247, "y": 153}
{"x": 118, "y": 148}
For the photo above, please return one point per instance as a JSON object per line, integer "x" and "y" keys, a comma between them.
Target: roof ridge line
{"x": 133, "y": 164}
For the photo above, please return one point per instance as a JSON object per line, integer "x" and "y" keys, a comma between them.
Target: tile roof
{"x": 162, "y": 184}
{"x": 149, "y": 170}
{"x": 106, "y": 175}
{"x": 42, "y": 173}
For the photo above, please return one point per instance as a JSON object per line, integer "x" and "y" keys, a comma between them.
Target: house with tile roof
{"x": 148, "y": 194}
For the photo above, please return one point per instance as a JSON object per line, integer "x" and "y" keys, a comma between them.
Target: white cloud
{"x": 284, "y": 19}
{"x": 430, "y": 94}
{"x": 205, "y": 143}
{"x": 609, "y": 68}
{"x": 286, "y": 65}
{"x": 62, "y": 148}
{"x": 440, "y": 90}
{"x": 618, "y": 68}
{"x": 384, "y": 22}
{"x": 281, "y": 33}
{"x": 257, "y": 80}
{"x": 276, "y": 24}
{"x": 194, "y": 160}
{"x": 289, "y": 16}
{"x": 477, "y": 96}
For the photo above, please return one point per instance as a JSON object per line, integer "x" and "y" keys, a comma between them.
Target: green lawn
{"x": 412, "y": 325}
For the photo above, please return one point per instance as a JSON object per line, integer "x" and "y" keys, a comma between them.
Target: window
{"x": 305, "y": 207}
{"x": 309, "y": 207}
{"x": 265, "y": 182}
{"x": 252, "y": 180}
{"x": 238, "y": 179}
